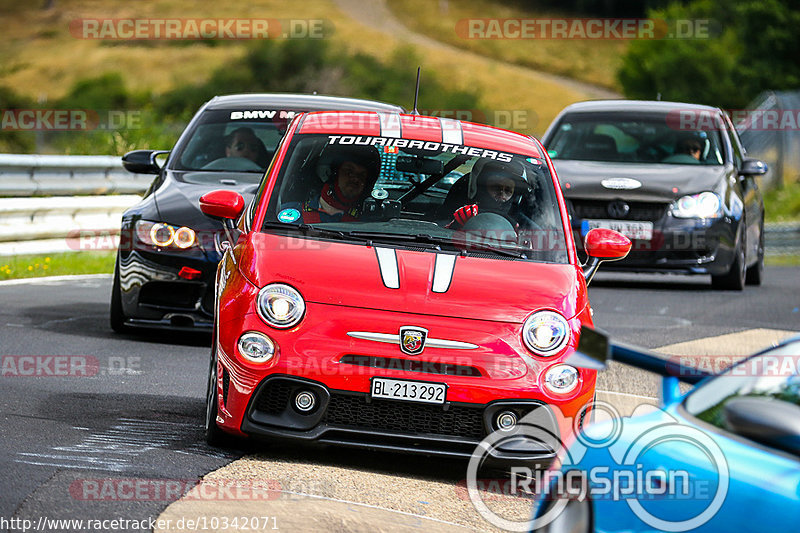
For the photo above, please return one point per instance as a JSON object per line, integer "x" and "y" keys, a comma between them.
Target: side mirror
{"x": 604, "y": 245}
{"x": 222, "y": 204}
{"x": 753, "y": 167}
{"x": 772, "y": 422}
{"x": 142, "y": 161}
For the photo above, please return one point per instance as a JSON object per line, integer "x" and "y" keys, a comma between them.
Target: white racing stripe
{"x": 443, "y": 272}
{"x": 451, "y": 131}
{"x": 390, "y": 124}
{"x": 387, "y": 261}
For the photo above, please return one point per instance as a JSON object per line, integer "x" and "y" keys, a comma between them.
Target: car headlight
{"x": 256, "y": 347}
{"x": 561, "y": 378}
{"x": 703, "y": 205}
{"x": 545, "y": 333}
{"x": 165, "y": 235}
{"x": 280, "y": 306}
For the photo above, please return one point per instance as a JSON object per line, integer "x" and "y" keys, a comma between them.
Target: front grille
{"x": 410, "y": 365}
{"x": 171, "y": 294}
{"x": 595, "y": 209}
{"x": 274, "y": 397}
{"x": 387, "y": 415}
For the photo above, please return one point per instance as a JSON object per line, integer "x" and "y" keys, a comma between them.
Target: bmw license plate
{"x": 642, "y": 231}
{"x": 413, "y": 391}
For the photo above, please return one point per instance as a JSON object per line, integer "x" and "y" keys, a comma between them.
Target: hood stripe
{"x": 451, "y": 131}
{"x": 387, "y": 262}
{"x": 443, "y": 272}
{"x": 390, "y": 125}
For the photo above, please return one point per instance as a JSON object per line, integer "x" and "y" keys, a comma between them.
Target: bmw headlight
{"x": 545, "y": 333}
{"x": 165, "y": 235}
{"x": 281, "y": 306}
{"x": 703, "y": 205}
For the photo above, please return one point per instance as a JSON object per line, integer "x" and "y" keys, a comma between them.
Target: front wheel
{"x": 734, "y": 280}
{"x": 214, "y": 435}
{"x": 116, "y": 317}
{"x": 755, "y": 274}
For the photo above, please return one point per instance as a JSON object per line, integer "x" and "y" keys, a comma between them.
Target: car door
{"x": 751, "y": 195}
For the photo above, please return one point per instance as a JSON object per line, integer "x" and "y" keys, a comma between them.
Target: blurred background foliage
{"x": 754, "y": 45}
{"x": 298, "y": 65}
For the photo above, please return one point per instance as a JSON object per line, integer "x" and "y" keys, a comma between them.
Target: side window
{"x": 735, "y": 144}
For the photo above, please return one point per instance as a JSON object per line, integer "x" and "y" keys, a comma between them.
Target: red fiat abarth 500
{"x": 399, "y": 282}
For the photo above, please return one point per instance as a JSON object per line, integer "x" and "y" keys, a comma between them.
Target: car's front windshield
{"x": 232, "y": 140}
{"x": 773, "y": 374}
{"x": 419, "y": 194}
{"x": 628, "y": 137}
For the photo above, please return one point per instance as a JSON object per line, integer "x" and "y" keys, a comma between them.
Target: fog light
{"x": 506, "y": 421}
{"x": 561, "y": 378}
{"x": 256, "y": 347}
{"x": 305, "y": 401}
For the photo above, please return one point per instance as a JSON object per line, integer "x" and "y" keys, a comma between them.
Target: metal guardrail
{"x": 43, "y": 198}
{"x": 782, "y": 238}
{"x": 68, "y": 175}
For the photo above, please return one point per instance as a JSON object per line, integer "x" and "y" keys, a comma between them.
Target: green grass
{"x": 593, "y": 61}
{"x": 61, "y": 264}
{"x": 782, "y": 260}
{"x": 783, "y": 205}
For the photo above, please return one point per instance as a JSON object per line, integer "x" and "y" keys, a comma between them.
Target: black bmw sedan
{"x": 672, "y": 177}
{"x": 168, "y": 253}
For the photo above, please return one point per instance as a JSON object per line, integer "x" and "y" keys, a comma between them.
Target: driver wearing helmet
{"x": 350, "y": 175}
{"x": 494, "y": 186}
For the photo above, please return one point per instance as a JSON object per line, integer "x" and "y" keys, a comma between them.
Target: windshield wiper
{"x": 438, "y": 241}
{"x": 422, "y": 238}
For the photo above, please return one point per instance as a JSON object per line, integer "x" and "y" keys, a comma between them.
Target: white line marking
{"x": 387, "y": 262}
{"x": 48, "y": 279}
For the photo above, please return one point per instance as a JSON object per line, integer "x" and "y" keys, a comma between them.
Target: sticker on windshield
{"x": 412, "y": 144}
{"x": 262, "y": 114}
{"x": 289, "y": 215}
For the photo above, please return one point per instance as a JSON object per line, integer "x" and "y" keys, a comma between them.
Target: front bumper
{"x": 153, "y": 295}
{"x": 319, "y": 357}
{"x": 685, "y": 246}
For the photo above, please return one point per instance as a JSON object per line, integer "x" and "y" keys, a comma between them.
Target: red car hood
{"x": 351, "y": 275}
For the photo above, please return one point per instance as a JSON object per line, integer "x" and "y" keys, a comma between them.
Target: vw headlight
{"x": 561, "y": 379}
{"x": 165, "y": 235}
{"x": 256, "y": 347}
{"x": 281, "y": 306}
{"x": 545, "y": 333}
{"x": 703, "y": 205}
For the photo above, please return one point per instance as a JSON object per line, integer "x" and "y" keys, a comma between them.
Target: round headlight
{"x": 281, "y": 306}
{"x": 704, "y": 205}
{"x": 561, "y": 378}
{"x": 162, "y": 234}
{"x": 184, "y": 237}
{"x": 545, "y": 333}
{"x": 256, "y": 347}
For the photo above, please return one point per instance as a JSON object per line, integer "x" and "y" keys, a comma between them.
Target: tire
{"x": 214, "y": 435}
{"x": 734, "y": 280}
{"x": 116, "y": 317}
{"x": 755, "y": 274}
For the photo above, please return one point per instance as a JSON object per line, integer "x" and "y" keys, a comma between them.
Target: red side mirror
{"x": 222, "y": 204}
{"x": 606, "y": 244}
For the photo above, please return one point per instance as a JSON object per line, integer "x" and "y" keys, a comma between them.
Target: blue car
{"x": 723, "y": 457}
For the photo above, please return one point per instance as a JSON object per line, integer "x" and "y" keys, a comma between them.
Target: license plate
{"x": 642, "y": 231}
{"x": 412, "y": 391}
